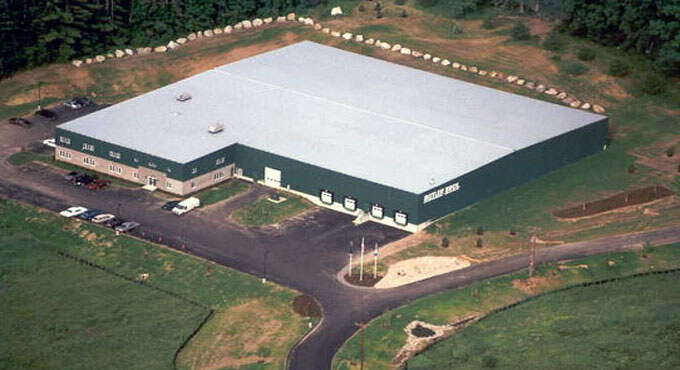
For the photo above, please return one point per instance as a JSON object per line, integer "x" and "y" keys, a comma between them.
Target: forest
{"x": 35, "y": 32}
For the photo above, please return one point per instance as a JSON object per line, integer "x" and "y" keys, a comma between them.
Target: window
{"x": 326, "y": 197}
{"x": 135, "y": 175}
{"x": 113, "y": 154}
{"x": 89, "y": 161}
{"x": 350, "y": 203}
{"x": 152, "y": 165}
{"x": 193, "y": 184}
{"x": 115, "y": 169}
{"x": 194, "y": 170}
{"x": 219, "y": 161}
{"x": 401, "y": 218}
{"x": 218, "y": 175}
{"x": 64, "y": 140}
{"x": 377, "y": 211}
{"x": 65, "y": 154}
{"x": 168, "y": 184}
{"x": 89, "y": 147}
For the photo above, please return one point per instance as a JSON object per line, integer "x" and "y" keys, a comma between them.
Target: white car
{"x": 73, "y": 212}
{"x": 50, "y": 142}
{"x": 98, "y": 219}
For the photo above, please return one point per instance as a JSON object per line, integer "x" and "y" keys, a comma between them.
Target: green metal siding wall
{"x": 207, "y": 164}
{"x": 515, "y": 169}
{"x": 311, "y": 179}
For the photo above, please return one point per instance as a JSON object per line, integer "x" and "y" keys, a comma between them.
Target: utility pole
{"x": 361, "y": 261}
{"x": 264, "y": 267}
{"x": 351, "y": 252}
{"x": 532, "y": 257}
{"x": 375, "y": 261}
{"x": 361, "y": 353}
{"x": 39, "y": 95}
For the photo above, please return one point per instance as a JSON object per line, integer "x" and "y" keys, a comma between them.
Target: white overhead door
{"x": 272, "y": 177}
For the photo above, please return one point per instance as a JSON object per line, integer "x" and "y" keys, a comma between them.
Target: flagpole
{"x": 361, "y": 261}
{"x": 375, "y": 262}
{"x": 351, "y": 251}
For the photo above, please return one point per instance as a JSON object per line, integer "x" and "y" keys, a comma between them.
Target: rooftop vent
{"x": 183, "y": 96}
{"x": 217, "y": 127}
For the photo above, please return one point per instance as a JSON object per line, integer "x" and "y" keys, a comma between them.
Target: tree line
{"x": 34, "y": 32}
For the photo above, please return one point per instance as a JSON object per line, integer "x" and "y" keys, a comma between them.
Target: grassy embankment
{"x": 60, "y": 313}
{"x": 263, "y": 212}
{"x": 221, "y": 192}
{"x": 385, "y": 334}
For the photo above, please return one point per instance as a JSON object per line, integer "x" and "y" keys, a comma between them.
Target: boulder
{"x": 199, "y": 34}
{"x": 317, "y": 26}
{"x": 326, "y": 30}
{"x": 396, "y": 47}
{"x": 585, "y": 106}
{"x": 335, "y": 34}
{"x": 378, "y": 43}
{"x": 575, "y": 104}
{"x": 238, "y": 26}
{"x": 268, "y": 20}
{"x": 436, "y": 59}
{"x": 347, "y": 36}
{"x": 301, "y": 19}
{"x": 512, "y": 79}
{"x": 473, "y": 69}
{"x": 359, "y": 38}
{"x": 181, "y": 41}
{"x": 309, "y": 22}
{"x": 88, "y": 60}
{"x": 257, "y": 22}
{"x": 280, "y": 19}
{"x": 144, "y": 51}
{"x": 530, "y": 85}
{"x": 493, "y": 74}
{"x": 463, "y": 67}
{"x": 172, "y": 45}
{"x": 228, "y": 29}
{"x": 77, "y": 63}
{"x": 551, "y": 92}
{"x": 520, "y": 82}
{"x": 405, "y": 51}
{"x": 160, "y": 49}
{"x": 191, "y": 36}
{"x": 208, "y": 33}
{"x": 99, "y": 58}
{"x": 119, "y": 53}
{"x": 247, "y": 24}
{"x": 455, "y": 65}
{"x": 598, "y": 108}
{"x": 218, "y": 31}
{"x": 369, "y": 41}
{"x": 385, "y": 46}
{"x": 427, "y": 56}
{"x": 336, "y": 11}
{"x": 417, "y": 54}
{"x": 562, "y": 95}
{"x": 540, "y": 88}
{"x": 129, "y": 52}
{"x": 110, "y": 55}
{"x": 482, "y": 72}
{"x": 290, "y": 17}
{"x": 567, "y": 100}
{"x": 446, "y": 62}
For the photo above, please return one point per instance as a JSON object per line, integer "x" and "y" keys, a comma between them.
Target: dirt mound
{"x": 305, "y": 305}
{"x": 625, "y": 199}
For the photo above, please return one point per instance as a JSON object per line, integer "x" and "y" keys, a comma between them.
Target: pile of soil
{"x": 306, "y": 306}
{"x": 368, "y": 280}
{"x": 422, "y": 332}
{"x": 634, "y": 197}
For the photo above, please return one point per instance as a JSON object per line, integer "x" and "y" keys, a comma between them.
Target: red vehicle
{"x": 96, "y": 184}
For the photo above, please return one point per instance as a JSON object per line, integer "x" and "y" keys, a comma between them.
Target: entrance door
{"x": 272, "y": 177}
{"x": 153, "y": 181}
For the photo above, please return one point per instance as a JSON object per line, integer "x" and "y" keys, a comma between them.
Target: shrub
{"x": 361, "y": 8}
{"x": 428, "y": 3}
{"x": 574, "y": 68}
{"x": 520, "y": 31}
{"x": 556, "y": 58}
{"x": 632, "y": 168}
{"x": 618, "y": 68}
{"x": 445, "y": 242}
{"x": 379, "y": 14}
{"x": 652, "y": 84}
{"x": 377, "y": 7}
{"x": 400, "y": 2}
{"x": 512, "y": 232}
{"x": 585, "y": 54}
{"x": 553, "y": 42}
{"x": 480, "y": 230}
{"x": 456, "y": 29}
{"x": 489, "y": 22}
{"x": 403, "y": 14}
{"x": 489, "y": 362}
{"x": 479, "y": 243}
{"x": 670, "y": 152}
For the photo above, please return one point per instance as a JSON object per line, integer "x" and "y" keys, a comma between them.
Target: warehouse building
{"x": 353, "y": 133}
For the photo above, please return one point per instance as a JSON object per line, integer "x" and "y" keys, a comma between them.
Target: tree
{"x": 520, "y": 31}
{"x": 445, "y": 242}
{"x": 618, "y": 68}
{"x": 585, "y": 54}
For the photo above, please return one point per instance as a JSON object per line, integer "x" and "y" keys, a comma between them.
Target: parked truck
{"x": 186, "y": 205}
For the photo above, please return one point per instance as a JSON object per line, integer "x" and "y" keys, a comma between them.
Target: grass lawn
{"x": 62, "y": 314}
{"x": 385, "y": 334}
{"x": 21, "y": 158}
{"x": 633, "y": 323}
{"x": 221, "y": 192}
{"x": 263, "y": 212}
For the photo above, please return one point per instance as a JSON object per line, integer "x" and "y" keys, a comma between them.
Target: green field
{"x": 221, "y": 192}
{"x": 263, "y": 212}
{"x": 58, "y": 313}
{"x": 632, "y": 323}
{"x": 385, "y": 334}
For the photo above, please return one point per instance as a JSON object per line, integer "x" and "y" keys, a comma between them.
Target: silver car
{"x": 127, "y": 226}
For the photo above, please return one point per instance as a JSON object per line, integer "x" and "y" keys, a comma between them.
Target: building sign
{"x": 441, "y": 192}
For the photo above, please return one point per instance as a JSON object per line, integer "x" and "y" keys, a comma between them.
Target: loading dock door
{"x": 272, "y": 177}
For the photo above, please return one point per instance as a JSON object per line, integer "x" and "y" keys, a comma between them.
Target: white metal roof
{"x": 346, "y": 112}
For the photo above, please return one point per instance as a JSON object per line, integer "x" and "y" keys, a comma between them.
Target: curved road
{"x": 304, "y": 254}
